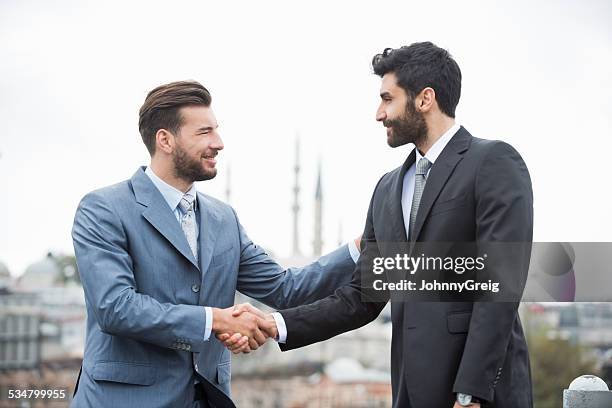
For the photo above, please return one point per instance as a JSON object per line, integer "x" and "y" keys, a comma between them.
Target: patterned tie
{"x": 419, "y": 185}
{"x": 188, "y": 222}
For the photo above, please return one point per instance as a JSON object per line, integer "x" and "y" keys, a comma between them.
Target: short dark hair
{"x": 161, "y": 108}
{"x": 421, "y": 65}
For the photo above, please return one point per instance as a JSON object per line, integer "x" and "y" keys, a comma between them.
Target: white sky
{"x": 73, "y": 76}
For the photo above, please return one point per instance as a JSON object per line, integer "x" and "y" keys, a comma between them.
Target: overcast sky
{"x": 73, "y": 76}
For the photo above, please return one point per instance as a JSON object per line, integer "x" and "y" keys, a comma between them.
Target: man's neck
{"x": 167, "y": 174}
{"x": 435, "y": 130}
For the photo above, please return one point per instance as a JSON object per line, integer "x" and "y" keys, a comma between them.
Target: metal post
{"x": 587, "y": 391}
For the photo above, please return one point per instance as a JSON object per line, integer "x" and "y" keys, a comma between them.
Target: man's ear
{"x": 425, "y": 100}
{"x": 164, "y": 141}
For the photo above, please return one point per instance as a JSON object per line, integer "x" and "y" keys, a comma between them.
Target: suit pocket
{"x": 124, "y": 372}
{"x": 224, "y": 372}
{"x": 449, "y": 204}
{"x": 458, "y": 322}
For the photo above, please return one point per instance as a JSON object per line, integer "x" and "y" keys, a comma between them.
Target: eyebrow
{"x": 384, "y": 94}
{"x": 204, "y": 128}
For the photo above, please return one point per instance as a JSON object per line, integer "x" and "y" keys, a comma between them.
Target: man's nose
{"x": 380, "y": 114}
{"x": 217, "y": 142}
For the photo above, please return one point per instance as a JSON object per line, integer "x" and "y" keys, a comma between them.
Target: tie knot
{"x": 186, "y": 203}
{"x": 423, "y": 166}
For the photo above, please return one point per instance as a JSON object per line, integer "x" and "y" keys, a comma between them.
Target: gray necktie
{"x": 419, "y": 185}
{"x": 189, "y": 223}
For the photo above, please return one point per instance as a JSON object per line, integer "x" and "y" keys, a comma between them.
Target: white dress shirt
{"x": 173, "y": 197}
{"x": 407, "y": 194}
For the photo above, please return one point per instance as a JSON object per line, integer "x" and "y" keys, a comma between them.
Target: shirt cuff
{"x": 209, "y": 322}
{"x": 281, "y": 327}
{"x": 353, "y": 250}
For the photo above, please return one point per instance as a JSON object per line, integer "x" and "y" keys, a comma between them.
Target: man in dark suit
{"x": 453, "y": 187}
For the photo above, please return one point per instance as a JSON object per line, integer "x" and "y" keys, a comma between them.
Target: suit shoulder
{"x": 484, "y": 147}
{"x": 110, "y": 193}
{"x": 392, "y": 174}
{"x": 217, "y": 206}
{"x": 498, "y": 161}
{"x": 388, "y": 178}
{"x": 213, "y": 202}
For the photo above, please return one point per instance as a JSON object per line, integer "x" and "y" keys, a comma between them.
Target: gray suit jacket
{"x": 145, "y": 293}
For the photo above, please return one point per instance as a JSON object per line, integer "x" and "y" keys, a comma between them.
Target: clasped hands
{"x": 243, "y": 328}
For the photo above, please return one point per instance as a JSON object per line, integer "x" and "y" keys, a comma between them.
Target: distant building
{"x": 341, "y": 383}
{"x": 5, "y": 276}
{"x": 50, "y": 303}
{"x": 295, "y": 208}
{"x": 42, "y": 329}
{"x": 317, "y": 244}
{"x": 20, "y": 339}
{"x": 588, "y": 324}
{"x": 42, "y": 274}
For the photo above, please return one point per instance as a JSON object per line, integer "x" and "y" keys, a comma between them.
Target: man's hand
{"x": 238, "y": 343}
{"x": 472, "y": 405}
{"x": 247, "y": 331}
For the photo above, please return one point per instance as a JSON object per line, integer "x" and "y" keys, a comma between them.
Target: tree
{"x": 68, "y": 267}
{"x": 554, "y": 364}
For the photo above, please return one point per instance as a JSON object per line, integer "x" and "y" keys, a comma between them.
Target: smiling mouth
{"x": 210, "y": 156}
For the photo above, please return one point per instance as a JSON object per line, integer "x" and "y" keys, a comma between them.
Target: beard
{"x": 189, "y": 169}
{"x": 409, "y": 128}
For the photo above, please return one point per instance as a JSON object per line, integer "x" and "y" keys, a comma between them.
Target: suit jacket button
{"x": 195, "y": 288}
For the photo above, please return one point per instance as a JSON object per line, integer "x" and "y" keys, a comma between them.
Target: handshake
{"x": 243, "y": 328}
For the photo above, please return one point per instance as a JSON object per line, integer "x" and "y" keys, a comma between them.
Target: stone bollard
{"x": 587, "y": 391}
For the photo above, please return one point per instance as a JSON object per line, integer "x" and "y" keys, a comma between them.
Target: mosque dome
{"x": 42, "y": 274}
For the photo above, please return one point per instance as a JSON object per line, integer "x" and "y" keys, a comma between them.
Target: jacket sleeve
{"x": 350, "y": 307}
{"x": 106, "y": 271}
{"x": 504, "y": 214}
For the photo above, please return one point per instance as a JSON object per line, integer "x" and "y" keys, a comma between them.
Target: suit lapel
{"x": 394, "y": 206}
{"x": 210, "y": 222}
{"x": 398, "y": 223}
{"x": 159, "y": 215}
{"x": 439, "y": 174}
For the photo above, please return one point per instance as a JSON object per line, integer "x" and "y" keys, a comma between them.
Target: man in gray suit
{"x": 160, "y": 263}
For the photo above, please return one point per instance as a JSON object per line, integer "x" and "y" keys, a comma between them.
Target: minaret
{"x": 296, "y": 203}
{"x": 228, "y": 186}
{"x": 317, "y": 244}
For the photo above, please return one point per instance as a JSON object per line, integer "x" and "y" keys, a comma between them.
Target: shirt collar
{"x": 435, "y": 150}
{"x": 172, "y": 195}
